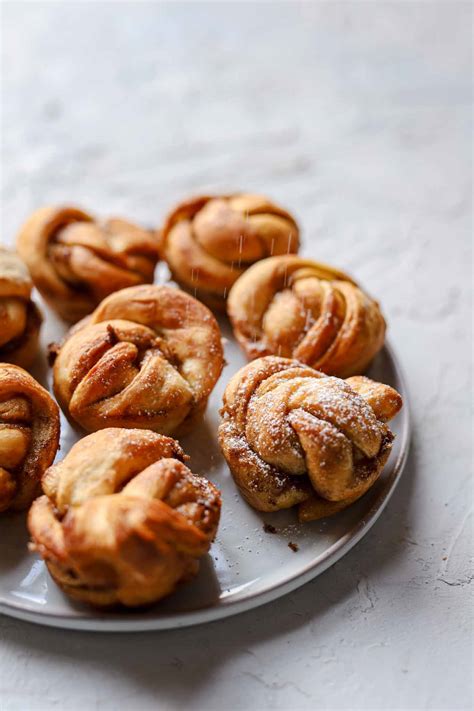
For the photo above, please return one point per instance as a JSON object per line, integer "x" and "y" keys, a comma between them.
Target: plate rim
{"x": 223, "y": 609}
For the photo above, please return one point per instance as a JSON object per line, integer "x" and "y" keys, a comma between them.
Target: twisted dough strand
{"x": 208, "y": 242}
{"x": 76, "y": 261}
{"x": 294, "y": 436}
{"x": 29, "y": 436}
{"x": 20, "y": 319}
{"x": 293, "y": 307}
{"x": 123, "y": 520}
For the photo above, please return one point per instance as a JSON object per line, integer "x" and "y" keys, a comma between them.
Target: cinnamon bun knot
{"x": 75, "y": 261}
{"x": 297, "y": 308}
{"x": 123, "y": 520}
{"x": 293, "y": 436}
{"x": 208, "y": 242}
{"x": 20, "y": 318}
{"x": 29, "y": 436}
{"x": 147, "y": 357}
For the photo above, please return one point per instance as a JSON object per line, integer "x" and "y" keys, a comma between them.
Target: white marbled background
{"x": 356, "y": 115}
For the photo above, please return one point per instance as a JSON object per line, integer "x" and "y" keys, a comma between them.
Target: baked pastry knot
{"x": 297, "y": 308}
{"x": 20, "y": 319}
{"x": 29, "y": 436}
{"x": 293, "y": 436}
{"x": 208, "y": 242}
{"x": 75, "y": 261}
{"x": 123, "y": 520}
{"x": 147, "y": 357}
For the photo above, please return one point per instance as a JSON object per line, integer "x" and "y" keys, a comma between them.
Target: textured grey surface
{"x": 357, "y": 116}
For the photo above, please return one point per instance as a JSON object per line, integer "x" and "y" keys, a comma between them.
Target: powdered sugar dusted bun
{"x": 293, "y": 436}
{"x": 147, "y": 357}
{"x": 296, "y": 308}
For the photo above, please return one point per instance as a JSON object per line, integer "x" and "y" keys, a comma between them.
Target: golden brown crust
{"x": 297, "y": 308}
{"x": 147, "y": 357}
{"x": 123, "y": 520}
{"x": 293, "y": 436}
{"x": 75, "y": 261}
{"x": 209, "y": 241}
{"x": 29, "y": 436}
{"x": 20, "y": 318}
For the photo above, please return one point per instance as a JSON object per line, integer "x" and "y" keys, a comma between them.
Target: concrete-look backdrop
{"x": 357, "y": 116}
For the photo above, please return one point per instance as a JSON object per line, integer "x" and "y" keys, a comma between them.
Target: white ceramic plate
{"x": 246, "y": 566}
